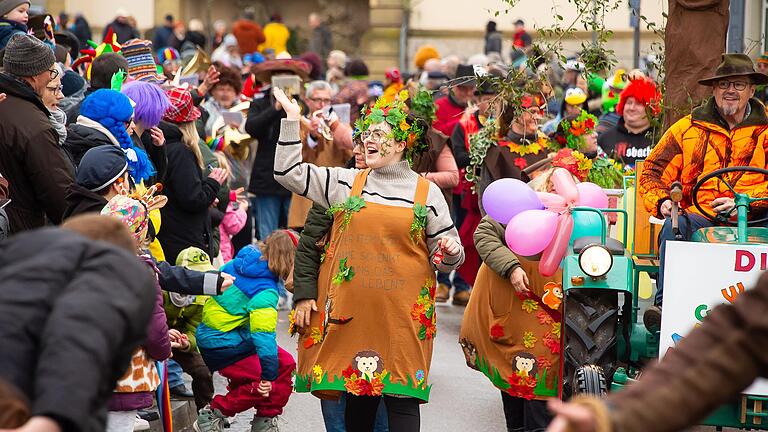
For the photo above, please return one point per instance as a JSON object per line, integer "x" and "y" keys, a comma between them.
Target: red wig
{"x": 645, "y": 92}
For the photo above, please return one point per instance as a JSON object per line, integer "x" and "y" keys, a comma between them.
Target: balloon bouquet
{"x": 542, "y": 222}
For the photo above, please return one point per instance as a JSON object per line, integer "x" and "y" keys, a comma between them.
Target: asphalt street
{"x": 461, "y": 400}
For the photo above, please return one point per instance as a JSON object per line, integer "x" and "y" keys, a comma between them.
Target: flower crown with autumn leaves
{"x": 395, "y": 113}
{"x": 572, "y": 132}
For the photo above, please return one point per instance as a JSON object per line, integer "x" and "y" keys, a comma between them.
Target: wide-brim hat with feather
{"x": 263, "y": 71}
{"x": 736, "y": 65}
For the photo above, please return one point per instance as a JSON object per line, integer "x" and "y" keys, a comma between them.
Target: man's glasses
{"x": 55, "y": 90}
{"x": 321, "y": 100}
{"x": 54, "y": 73}
{"x": 738, "y": 85}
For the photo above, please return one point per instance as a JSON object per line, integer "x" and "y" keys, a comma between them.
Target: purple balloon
{"x": 531, "y": 231}
{"x": 506, "y": 198}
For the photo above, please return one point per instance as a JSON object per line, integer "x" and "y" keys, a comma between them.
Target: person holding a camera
{"x": 272, "y": 201}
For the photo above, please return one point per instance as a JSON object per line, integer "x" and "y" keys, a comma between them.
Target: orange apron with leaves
{"x": 375, "y": 326}
{"x": 515, "y": 341}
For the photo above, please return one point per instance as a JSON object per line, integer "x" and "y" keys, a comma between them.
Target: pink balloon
{"x": 553, "y": 202}
{"x": 565, "y": 186}
{"x": 592, "y": 195}
{"x": 531, "y": 231}
{"x": 554, "y": 253}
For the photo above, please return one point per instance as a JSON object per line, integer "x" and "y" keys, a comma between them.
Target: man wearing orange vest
{"x": 729, "y": 129}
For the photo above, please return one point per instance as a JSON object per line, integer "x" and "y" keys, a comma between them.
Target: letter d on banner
{"x": 740, "y": 265}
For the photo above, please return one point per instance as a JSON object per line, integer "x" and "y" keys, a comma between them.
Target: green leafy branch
{"x": 419, "y": 223}
{"x": 345, "y": 273}
{"x": 352, "y": 205}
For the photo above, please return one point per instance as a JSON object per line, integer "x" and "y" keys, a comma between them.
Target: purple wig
{"x": 151, "y": 102}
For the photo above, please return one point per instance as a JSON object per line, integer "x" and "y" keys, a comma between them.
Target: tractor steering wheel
{"x": 724, "y": 218}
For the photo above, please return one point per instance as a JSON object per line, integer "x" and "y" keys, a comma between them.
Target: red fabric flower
{"x": 543, "y": 363}
{"x": 497, "y": 331}
{"x": 552, "y": 342}
{"x": 426, "y": 322}
{"x": 348, "y": 372}
{"x": 544, "y": 318}
{"x": 589, "y": 123}
{"x": 521, "y": 163}
{"x": 432, "y": 291}
{"x": 521, "y": 387}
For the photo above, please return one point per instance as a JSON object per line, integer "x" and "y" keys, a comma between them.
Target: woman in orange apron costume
{"x": 513, "y": 336}
{"x": 372, "y": 333}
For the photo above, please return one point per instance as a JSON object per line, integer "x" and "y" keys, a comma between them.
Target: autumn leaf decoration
{"x": 419, "y": 223}
{"x": 345, "y": 273}
{"x": 423, "y": 311}
{"x": 352, "y": 205}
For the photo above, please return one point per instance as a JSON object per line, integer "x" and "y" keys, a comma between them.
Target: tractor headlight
{"x": 595, "y": 261}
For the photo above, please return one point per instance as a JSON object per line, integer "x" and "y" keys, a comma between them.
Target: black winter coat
{"x": 186, "y": 220}
{"x": 72, "y": 311}
{"x": 80, "y": 201}
{"x": 37, "y": 170}
{"x": 263, "y": 123}
{"x": 80, "y": 139}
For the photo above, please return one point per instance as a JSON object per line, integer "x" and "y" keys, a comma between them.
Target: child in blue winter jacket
{"x": 14, "y": 16}
{"x": 237, "y": 337}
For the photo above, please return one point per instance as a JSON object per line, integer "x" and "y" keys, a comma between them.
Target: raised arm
{"x": 319, "y": 184}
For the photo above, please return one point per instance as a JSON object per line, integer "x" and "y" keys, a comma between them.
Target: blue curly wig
{"x": 113, "y": 110}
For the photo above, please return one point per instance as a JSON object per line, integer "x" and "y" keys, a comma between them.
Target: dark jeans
{"x": 333, "y": 415}
{"x": 525, "y": 415}
{"x": 689, "y": 224}
{"x": 402, "y": 413}
{"x": 270, "y": 210}
{"x": 202, "y": 381}
{"x": 459, "y": 284}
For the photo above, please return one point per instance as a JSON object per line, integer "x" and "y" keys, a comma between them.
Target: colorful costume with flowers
{"x": 515, "y": 341}
{"x": 374, "y": 331}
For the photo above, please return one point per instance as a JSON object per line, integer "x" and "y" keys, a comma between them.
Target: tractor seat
{"x": 614, "y": 246}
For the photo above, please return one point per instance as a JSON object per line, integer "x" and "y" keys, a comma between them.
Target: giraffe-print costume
{"x": 141, "y": 376}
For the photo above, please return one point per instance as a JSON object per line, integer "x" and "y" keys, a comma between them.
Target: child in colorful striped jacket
{"x": 237, "y": 337}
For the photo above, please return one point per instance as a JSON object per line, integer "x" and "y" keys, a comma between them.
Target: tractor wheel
{"x": 591, "y": 320}
{"x": 590, "y": 380}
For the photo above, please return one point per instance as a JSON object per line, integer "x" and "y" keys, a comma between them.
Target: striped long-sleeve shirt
{"x": 393, "y": 185}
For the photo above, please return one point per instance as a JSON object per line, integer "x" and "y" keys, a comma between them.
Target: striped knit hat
{"x": 141, "y": 63}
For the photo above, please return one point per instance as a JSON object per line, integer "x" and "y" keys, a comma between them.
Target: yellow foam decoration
{"x": 154, "y": 216}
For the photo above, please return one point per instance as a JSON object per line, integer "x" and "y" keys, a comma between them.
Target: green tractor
{"x": 606, "y": 344}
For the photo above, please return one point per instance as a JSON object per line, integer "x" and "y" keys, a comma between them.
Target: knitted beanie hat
{"x": 168, "y": 54}
{"x": 27, "y": 56}
{"x": 114, "y": 111}
{"x": 6, "y": 6}
{"x": 141, "y": 63}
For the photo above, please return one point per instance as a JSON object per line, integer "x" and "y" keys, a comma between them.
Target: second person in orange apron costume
{"x": 371, "y": 329}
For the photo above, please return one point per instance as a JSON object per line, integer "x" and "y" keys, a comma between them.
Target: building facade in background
{"x": 373, "y": 28}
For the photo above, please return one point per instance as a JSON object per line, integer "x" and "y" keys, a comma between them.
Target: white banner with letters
{"x": 700, "y": 276}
